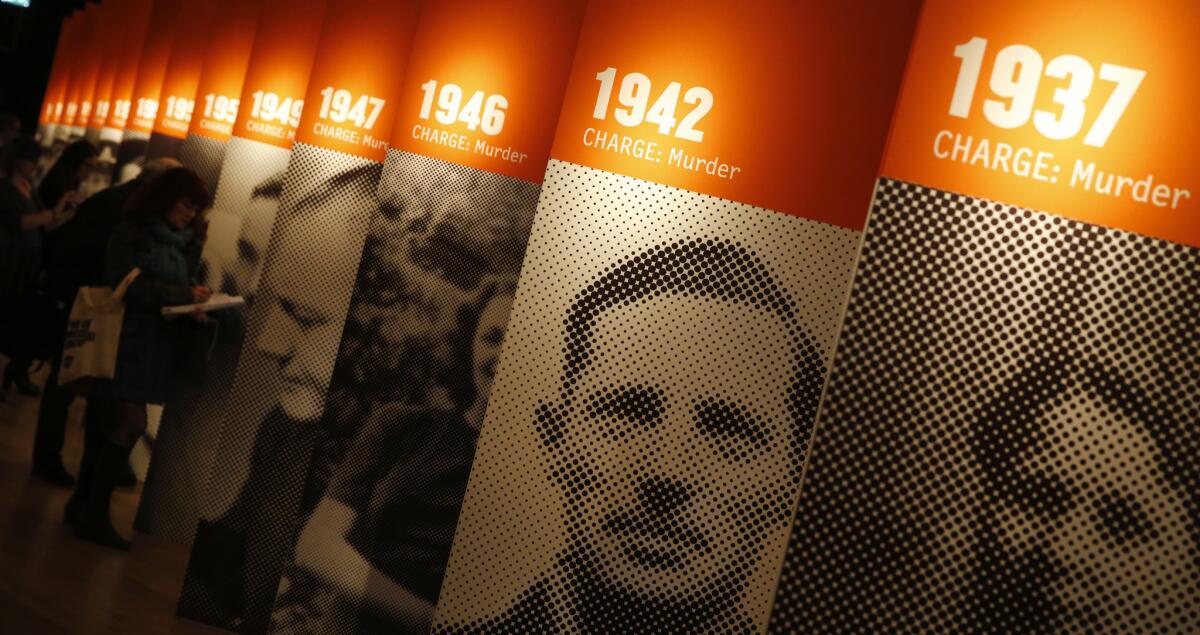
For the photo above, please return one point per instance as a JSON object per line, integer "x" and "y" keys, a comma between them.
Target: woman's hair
{"x": 157, "y": 197}
{"x": 65, "y": 171}
{"x": 22, "y": 148}
{"x": 461, "y": 375}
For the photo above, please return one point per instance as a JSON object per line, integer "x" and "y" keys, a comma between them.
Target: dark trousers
{"x": 52, "y": 418}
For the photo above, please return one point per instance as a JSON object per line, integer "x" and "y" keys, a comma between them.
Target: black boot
{"x": 93, "y": 523}
{"x": 83, "y": 487}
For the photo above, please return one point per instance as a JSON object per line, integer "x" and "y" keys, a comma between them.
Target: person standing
{"x": 162, "y": 236}
{"x": 78, "y": 262}
{"x": 23, "y": 217}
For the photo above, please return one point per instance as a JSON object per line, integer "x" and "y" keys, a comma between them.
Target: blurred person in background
{"x": 78, "y": 262}
{"x": 10, "y": 127}
{"x": 23, "y": 218}
{"x": 162, "y": 236}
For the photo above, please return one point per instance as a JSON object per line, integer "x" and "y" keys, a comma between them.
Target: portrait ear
{"x": 551, "y": 423}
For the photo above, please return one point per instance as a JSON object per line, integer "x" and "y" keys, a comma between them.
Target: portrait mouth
{"x": 666, "y": 537}
{"x": 488, "y": 368}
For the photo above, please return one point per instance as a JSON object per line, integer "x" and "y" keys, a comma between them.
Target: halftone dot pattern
{"x": 642, "y": 449}
{"x": 1008, "y": 441}
{"x": 268, "y": 423}
{"x": 245, "y": 204}
{"x": 204, "y": 155}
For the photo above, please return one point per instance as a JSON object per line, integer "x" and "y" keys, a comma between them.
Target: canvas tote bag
{"x": 93, "y": 334}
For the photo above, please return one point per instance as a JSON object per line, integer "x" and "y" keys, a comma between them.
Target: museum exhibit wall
{"x": 219, "y": 90}
{"x": 245, "y": 203}
{"x": 434, "y": 230}
{"x": 83, "y": 81}
{"x": 1009, "y": 441}
{"x": 177, "y": 100}
{"x": 825, "y": 317}
{"x": 147, "y": 89}
{"x": 127, "y": 54}
{"x": 678, "y": 307}
{"x": 54, "y": 104}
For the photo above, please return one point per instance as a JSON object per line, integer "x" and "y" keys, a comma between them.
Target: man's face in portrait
{"x": 303, "y": 326}
{"x": 677, "y": 457}
{"x": 1093, "y": 500}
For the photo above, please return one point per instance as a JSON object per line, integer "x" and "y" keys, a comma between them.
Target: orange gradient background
{"x": 363, "y": 50}
{"x": 129, "y": 54}
{"x": 60, "y": 71}
{"x": 802, "y": 95}
{"x": 85, "y": 66}
{"x": 114, "y": 34}
{"x": 521, "y": 49}
{"x": 226, "y": 58}
{"x": 193, "y": 29}
{"x": 1158, "y": 133}
{"x": 152, "y": 64}
{"x": 284, "y": 47}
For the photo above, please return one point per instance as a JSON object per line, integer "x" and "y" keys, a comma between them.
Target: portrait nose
{"x": 275, "y": 340}
{"x": 663, "y": 496}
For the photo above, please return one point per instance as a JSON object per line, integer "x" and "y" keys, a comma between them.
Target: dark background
{"x": 27, "y": 40}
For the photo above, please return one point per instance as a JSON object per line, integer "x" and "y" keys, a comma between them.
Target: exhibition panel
{"x": 100, "y": 174}
{"x": 135, "y": 19}
{"x": 1008, "y": 441}
{"x": 614, "y": 316}
{"x": 640, "y": 459}
{"x": 91, "y": 56}
{"x": 54, "y": 102}
{"x": 147, "y": 88}
{"x": 218, "y": 93}
{"x": 239, "y": 229}
{"x": 442, "y": 237}
{"x": 56, "y": 85}
{"x": 250, "y": 504}
{"x": 177, "y": 101}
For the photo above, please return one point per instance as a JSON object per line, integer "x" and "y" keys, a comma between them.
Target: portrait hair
{"x": 707, "y": 268}
{"x": 1009, "y": 427}
{"x": 461, "y": 375}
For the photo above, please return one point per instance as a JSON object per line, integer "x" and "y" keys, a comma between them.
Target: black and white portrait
{"x": 664, "y": 363}
{"x": 268, "y": 422}
{"x": 1008, "y": 440}
{"x": 244, "y": 211}
{"x": 409, "y": 393}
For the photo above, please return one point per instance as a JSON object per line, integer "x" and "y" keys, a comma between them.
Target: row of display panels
{"x": 721, "y": 406}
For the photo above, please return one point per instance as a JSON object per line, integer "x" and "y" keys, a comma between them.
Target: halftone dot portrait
{"x": 291, "y": 339}
{"x": 650, "y": 416}
{"x": 1009, "y": 440}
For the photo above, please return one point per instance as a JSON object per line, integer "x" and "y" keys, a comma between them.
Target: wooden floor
{"x": 52, "y": 582}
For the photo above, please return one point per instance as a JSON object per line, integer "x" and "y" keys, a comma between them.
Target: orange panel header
{"x": 226, "y": 59}
{"x": 784, "y": 105}
{"x": 85, "y": 68}
{"x": 1085, "y": 109}
{"x": 355, "y": 83}
{"x": 193, "y": 29}
{"x": 152, "y": 65}
{"x": 485, "y": 83}
{"x": 60, "y": 72}
{"x": 113, "y": 35}
{"x": 129, "y": 54}
{"x": 273, "y": 93}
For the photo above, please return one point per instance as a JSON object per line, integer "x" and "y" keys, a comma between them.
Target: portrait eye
{"x": 305, "y": 318}
{"x": 494, "y": 337}
{"x": 723, "y": 421}
{"x": 1123, "y": 519}
{"x": 629, "y": 404}
{"x": 247, "y": 251}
